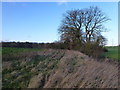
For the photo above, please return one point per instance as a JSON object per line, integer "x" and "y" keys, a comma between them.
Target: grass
{"x": 12, "y": 53}
{"x": 11, "y": 50}
{"x": 20, "y": 71}
{"x": 112, "y": 53}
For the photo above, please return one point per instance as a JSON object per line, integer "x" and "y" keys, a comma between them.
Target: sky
{"x": 39, "y": 21}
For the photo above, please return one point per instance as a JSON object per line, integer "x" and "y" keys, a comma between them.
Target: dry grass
{"x": 58, "y": 69}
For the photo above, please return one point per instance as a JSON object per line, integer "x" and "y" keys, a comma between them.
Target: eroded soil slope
{"x": 58, "y": 69}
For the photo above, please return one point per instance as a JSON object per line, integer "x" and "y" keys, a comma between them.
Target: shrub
{"x": 92, "y": 49}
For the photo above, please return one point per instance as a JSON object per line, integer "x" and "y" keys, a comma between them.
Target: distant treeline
{"x": 56, "y": 45}
{"x": 22, "y": 44}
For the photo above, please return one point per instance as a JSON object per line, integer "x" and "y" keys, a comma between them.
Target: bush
{"x": 92, "y": 49}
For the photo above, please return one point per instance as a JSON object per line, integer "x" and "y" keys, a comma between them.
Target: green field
{"x": 11, "y": 50}
{"x": 112, "y": 52}
{"x": 10, "y": 53}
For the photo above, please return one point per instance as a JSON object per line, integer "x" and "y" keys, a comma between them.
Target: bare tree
{"x": 82, "y": 26}
{"x": 93, "y": 23}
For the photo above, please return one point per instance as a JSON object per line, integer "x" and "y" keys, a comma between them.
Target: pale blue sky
{"x": 39, "y": 21}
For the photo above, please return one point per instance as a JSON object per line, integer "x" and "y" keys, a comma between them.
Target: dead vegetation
{"x": 59, "y": 69}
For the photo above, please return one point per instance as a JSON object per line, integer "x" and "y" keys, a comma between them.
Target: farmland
{"x": 23, "y": 63}
{"x": 113, "y": 52}
{"x": 59, "y": 45}
{"x": 10, "y": 50}
{"x": 53, "y": 68}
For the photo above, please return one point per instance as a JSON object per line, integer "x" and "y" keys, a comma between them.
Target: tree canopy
{"x": 82, "y": 26}
{"x": 81, "y": 30}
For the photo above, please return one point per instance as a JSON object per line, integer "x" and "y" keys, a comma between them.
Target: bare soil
{"x": 73, "y": 70}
